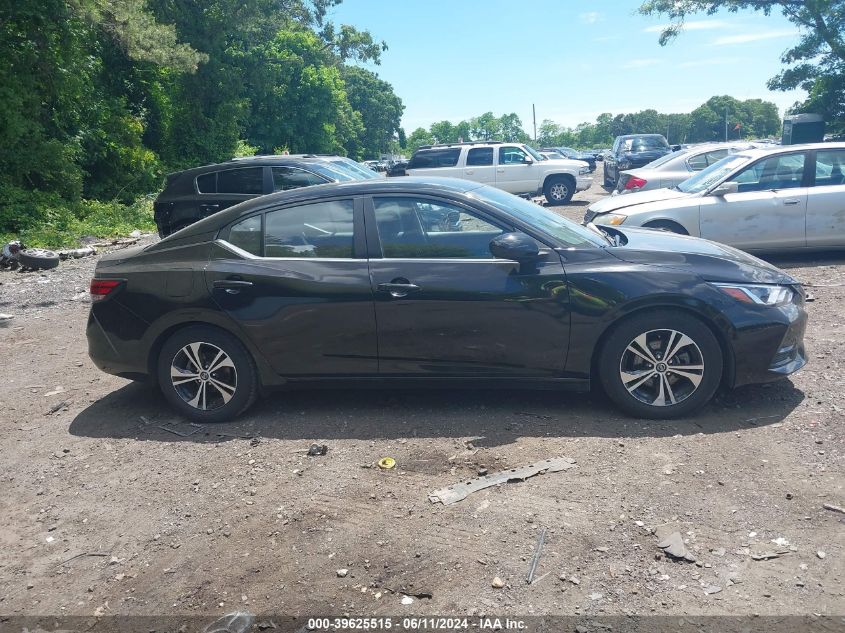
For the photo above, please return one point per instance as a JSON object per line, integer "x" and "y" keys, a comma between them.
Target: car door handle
{"x": 501, "y": 170}
{"x": 204, "y": 208}
{"x": 231, "y": 286}
{"x": 791, "y": 201}
{"x": 470, "y": 172}
{"x": 397, "y": 288}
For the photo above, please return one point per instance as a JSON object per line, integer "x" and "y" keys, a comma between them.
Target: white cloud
{"x": 693, "y": 25}
{"x": 746, "y": 38}
{"x": 641, "y": 63}
{"x": 591, "y": 17}
{"x": 710, "y": 61}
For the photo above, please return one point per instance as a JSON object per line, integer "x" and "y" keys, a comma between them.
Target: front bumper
{"x": 583, "y": 182}
{"x": 771, "y": 346}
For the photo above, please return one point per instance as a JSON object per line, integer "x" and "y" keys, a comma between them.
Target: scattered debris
{"x": 538, "y": 550}
{"x": 821, "y": 554}
{"x": 237, "y": 622}
{"x": 386, "y": 463}
{"x": 833, "y": 508}
{"x": 5, "y": 318}
{"x": 64, "y": 562}
{"x": 315, "y": 450}
{"x": 342, "y": 573}
{"x": 58, "y": 406}
{"x": 76, "y": 253}
{"x": 595, "y": 596}
{"x": 711, "y": 589}
{"x": 769, "y": 555}
{"x": 59, "y": 389}
{"x": 407, "y": 600}
{"x": 780, "y": 541}
{"x": 457, "y": 492}
{"x": 194, "y": 428}
{"x": 674, "y": 546}
{"x": 497, "y": 583}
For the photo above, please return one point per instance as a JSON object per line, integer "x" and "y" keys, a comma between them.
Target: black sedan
{"x": 358, "y": 283}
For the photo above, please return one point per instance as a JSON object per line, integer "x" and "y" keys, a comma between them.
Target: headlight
{"x": 760, "y": 294}
{"x": 613, "y": 219}
{"x": 584, "y": 170}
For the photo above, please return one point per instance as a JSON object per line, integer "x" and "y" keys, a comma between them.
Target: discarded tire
{"x": 38, "y": 258}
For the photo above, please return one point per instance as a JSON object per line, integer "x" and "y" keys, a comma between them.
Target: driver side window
{"x": 777, "y": 172}
{"x": 511, "y": 156}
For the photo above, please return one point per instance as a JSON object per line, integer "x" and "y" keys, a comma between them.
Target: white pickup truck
{"x": 513, "y": 167}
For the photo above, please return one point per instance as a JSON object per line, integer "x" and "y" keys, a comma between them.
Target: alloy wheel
{"x": 559, "y": 191}
{"x": 204, "y": 376}
{"x": 662, "y": 367}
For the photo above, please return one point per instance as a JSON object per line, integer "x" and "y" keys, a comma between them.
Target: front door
{"x": 295, "y": 281}
{"x": 767, "y": 212}
{"x": 446, "y": 307}
{"x": 515, "y": 170}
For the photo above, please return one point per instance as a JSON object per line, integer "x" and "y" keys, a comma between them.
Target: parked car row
{"x": 631, "y": 151}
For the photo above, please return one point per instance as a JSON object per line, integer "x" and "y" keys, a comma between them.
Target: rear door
{"x": 479, "y": 165}
{"x": 826, "y": 200}
{"x": 769, "y": 210}
{"x": 295, "y": 280}
{"x": 514, "y": 170}
{"x": 446, "y": 307}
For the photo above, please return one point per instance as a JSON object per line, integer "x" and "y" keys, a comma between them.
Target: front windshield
{"x": 709, "y": 176}
{"x": 533, "y": 152}
{"x": 335, "y": 172}
{"x": 358, "y": 168}
{"x": 538, "y": 217}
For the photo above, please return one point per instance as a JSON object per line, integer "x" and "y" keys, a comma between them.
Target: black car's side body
{"x": 483, "y": 320}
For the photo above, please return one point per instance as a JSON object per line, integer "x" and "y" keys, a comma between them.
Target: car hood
{"x": 569, "y": 163}
{"x": 613, "y": 203}
{"x": 710, "y": 260}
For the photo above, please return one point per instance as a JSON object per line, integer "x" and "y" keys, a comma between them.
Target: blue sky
{"x": 454, "y": 59}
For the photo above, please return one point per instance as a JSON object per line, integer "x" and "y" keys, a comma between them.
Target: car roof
{"x": 254, "y": 161}
{"x": 404, "y": 184}
{"x": 765, "y": 151}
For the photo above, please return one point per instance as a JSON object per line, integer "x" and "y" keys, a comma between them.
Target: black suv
{"x": 631, "y": 151}
{"x": 194, "y": 194}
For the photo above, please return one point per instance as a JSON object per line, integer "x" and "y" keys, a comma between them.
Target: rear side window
{"x": 446, "y": 157}
{"x": 480, "y": 156}
{"x": 207, "y": 183}
{"x": 697, "y": 163}
{"x": 248, "y": 180}
{"x": 285, "y": 178}
{"x": 830, "y": 168}
{"x": 322, "y": 229}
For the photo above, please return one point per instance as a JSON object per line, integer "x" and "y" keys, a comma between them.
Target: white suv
{"x": 513, "y": 167}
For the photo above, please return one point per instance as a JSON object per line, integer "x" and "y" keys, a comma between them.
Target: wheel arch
{"x": 560, "y": 174}
{"x": 664, "y": 220}
{"x": 709, "y": 320}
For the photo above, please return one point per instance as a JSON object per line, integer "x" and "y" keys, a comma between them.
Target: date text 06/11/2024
{"x": 430, "y": 623}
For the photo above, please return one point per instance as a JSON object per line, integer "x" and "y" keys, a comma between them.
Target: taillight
{"x": 635, "y": 183}
{"x": 101, "y": 288}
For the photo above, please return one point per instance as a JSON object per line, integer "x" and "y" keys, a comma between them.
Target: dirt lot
{"x": 112, "y": 505}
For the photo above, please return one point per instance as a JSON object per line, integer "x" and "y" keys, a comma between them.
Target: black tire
{"x": 647, "y": 379}
{"x": 180, "y": 353}
{"x": 559, "y": 189}
{"x": 38, "y": 258}
{"x": 667, "y": 225}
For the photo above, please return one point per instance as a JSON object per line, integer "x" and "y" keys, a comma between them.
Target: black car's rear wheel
{"x": 661, "y": 365}
{"x": 207, "y": 374}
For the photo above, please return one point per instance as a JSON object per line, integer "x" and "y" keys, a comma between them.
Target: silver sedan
{"x": 674, "y": 168}
{"x": 762, "y": 200}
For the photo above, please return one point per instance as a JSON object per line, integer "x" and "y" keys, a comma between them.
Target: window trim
{"x": 358, "y": 226}
{"x": 197, "y": 186}
{"x": 809, "y": 160}
{"x": 374, "y": 249}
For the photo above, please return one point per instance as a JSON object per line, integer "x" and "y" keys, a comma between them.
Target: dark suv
{"x": 194, "y": 194}
{"x": 632, "y": 151}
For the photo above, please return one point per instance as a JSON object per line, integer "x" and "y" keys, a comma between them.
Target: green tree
{"x": 419, "y": 137}
{"x": 377, "y": 105}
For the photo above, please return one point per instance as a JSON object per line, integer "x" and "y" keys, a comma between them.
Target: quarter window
{"x": 446, "y": 157}
{"x": 322, "y": 229}
{"x": 249, "y": 180}
{"x": 777, "y": 172}
{"x": 480, "y": 156}
{"x": 207, "y": 183}
{"x": 420, "y": 228}
{"x": 830, "y": 168}
{"x": 699, "y": 162}
{"x": 285, "y": 178}
{"x": 246, "y": 234}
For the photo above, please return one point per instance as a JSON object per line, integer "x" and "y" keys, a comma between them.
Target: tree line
{"x": 100, "y": 98}
{"x": 751, "y": 118}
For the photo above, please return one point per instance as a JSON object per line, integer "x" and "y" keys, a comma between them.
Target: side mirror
{"x": 725, "y": 188}
{"x": 527, "y": 160}
{"x": 516, "y": 246}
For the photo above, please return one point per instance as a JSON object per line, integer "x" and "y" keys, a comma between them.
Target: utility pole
{"x": 534, "y": 113}
{"x": 726, "y": 124}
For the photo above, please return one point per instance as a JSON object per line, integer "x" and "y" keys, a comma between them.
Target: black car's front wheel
{"x": 207, "y": 374}
{"x": 660, "y": 365}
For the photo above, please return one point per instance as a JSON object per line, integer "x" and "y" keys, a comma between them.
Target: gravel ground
{"x": 112, "y": 505}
